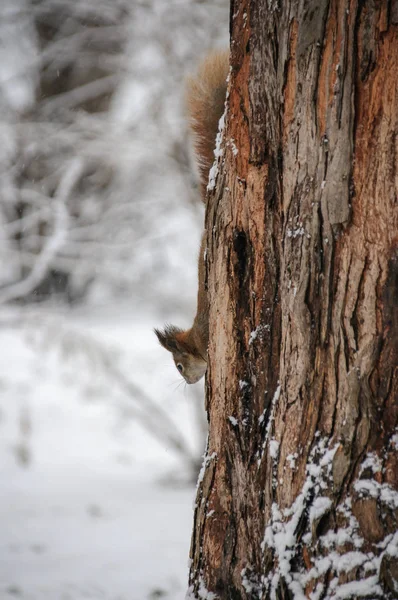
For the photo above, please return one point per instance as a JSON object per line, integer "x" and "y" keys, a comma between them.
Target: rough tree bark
{"x": 297, "y": 497}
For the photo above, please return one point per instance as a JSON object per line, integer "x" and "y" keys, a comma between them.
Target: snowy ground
{"x": 88, "y": 508}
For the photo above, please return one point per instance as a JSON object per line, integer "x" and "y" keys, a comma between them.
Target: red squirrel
{"x": 206, "y": 94}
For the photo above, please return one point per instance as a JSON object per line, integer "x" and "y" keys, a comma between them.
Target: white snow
{"x": 260, "y": 329}
{"x": 344, "y": 546}
{"x": 206, "y": 461}
{"x": 85, "y": 510}
{"x": 383, "y": 492}
{"x": 274, "y": 448}
{"x": 280, "y": 533}
{"x": 218, "y": 152}
{"x": 371, "y": 462}
{"x": 365, "y": 587}
{"x": 291, "y": 458}
{"x": 392, "y": 546}
{"x": 235, "y": 150}
{"x": 319, "y": 507}
{"x": 270, "y": 421}
{"x": 293, "y": 233}
{"x": 251, "y": 582}
{"x": 273, "y": 404}
{"x": 253, "y": 336}
{"x": 204, "y": 593}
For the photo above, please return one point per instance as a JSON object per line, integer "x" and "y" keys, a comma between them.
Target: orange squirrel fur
{"x": 205, "y": 101}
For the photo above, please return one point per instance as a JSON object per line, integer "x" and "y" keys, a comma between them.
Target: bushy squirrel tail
{"x": 205, "y": 100}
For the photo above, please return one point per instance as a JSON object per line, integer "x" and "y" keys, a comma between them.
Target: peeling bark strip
{"x": 298, "y": 496}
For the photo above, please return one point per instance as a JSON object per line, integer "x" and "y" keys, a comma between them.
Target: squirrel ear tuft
{"x": 167, "y": 338}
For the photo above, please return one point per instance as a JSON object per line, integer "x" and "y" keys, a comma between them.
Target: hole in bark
{"x": 389, "y": 356}
{"x": 233, "y": 593}
{"x": 390, "y": 295}
{"x": 240, "y": 247}
{"x": 326, "y": 523}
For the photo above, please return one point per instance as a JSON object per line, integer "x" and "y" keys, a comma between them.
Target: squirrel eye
{"x": 180, "y": 367}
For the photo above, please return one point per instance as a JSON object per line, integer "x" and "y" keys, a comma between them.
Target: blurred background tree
{"x": 98, "y": 186}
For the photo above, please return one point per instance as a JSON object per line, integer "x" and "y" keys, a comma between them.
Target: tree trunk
{"x": 298, "y": 497}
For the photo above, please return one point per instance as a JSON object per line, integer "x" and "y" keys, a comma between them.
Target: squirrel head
{"x": 186, "y": 356}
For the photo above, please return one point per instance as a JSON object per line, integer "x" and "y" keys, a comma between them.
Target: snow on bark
{"x": 282, "y": 538}
{"x": 281, "y": 535}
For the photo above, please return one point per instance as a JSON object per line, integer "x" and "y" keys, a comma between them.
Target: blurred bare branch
{"x": 52, "y": 244}
{"x": 131, "y": 400}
